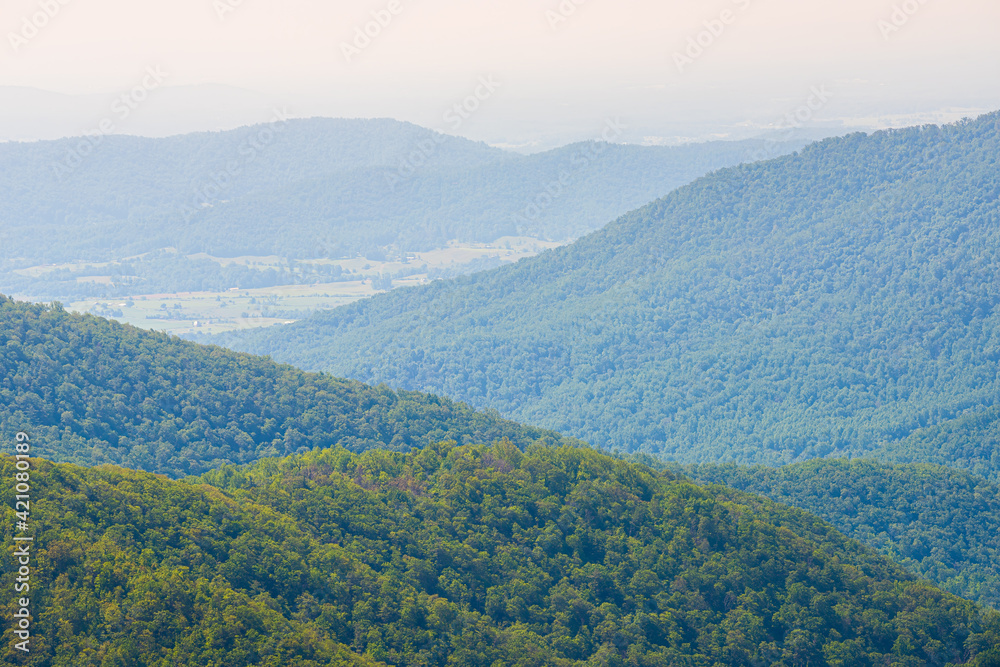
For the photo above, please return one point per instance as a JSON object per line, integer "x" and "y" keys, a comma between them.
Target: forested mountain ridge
{"x": 131, "y": 569}
{"x": 160, "y": 187}
{"x": 94, "y": 391}
{"x": 941, "y": 524}
{"x": 309, "y": 189}
{"x": 473, "y": 556}
{"x": 971, "y": 442}
{"x": 827, "y": 301}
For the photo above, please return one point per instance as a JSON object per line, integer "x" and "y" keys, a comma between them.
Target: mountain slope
{"x": 468, "y": 555}
{"x": 94, "y": 391}
{"x": 131, "y": 569}
{"x": 942, "y": 524}
{"x": 971, "y": 442}
{"x": 306, "y": 189}
{"x": 830, "y": 300}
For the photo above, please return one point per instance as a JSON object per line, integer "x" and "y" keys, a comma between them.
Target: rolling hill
{"x": 305, "y": 190}
{"x": 472, "y": 556}
{"x": 971, "y": 442}
{"x": 829, "y": 301}
{"x": 93, "y": 391}
{"x": 941, "y": 524}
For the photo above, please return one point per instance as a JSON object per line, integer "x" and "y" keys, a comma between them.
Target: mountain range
{"x": 518, "y": 546}
{"x": 832, "y": 301}
{"x": 839, "y": 301}
{"x": 97, "y": 392}
{"x": 310, "y": 189}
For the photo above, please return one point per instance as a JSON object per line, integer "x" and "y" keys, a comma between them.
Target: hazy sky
{"x": 558, "y": 69}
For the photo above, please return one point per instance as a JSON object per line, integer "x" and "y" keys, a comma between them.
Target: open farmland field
{"x": 235, "y": 309}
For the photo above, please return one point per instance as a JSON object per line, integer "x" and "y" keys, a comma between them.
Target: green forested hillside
{"x": 305, "y": 189}
{"x": 831, "y": 300}
{"x": 131, "y": 569}
{"x": 95, "y": 391}
{"x": 971, "y": 442}
{"x": 942, "y": 524}
{"x": 472, "y": 556}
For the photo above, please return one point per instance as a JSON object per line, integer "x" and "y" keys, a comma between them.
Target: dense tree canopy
{"x": 471, "y": 556}
{"x": 130, "y": 569}
{"x": 826, "y": 301}
{"x": 971, "y": 442}
{"x": 95, "y": 391}
{"x": 942, "y": 524}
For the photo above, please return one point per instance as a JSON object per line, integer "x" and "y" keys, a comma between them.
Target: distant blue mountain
{"x": 320, "y": 187}
{"x": 827, "y": 301}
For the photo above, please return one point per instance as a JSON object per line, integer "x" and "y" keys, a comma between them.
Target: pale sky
{"x": 556, "y": 79}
